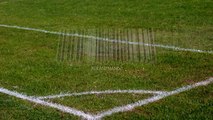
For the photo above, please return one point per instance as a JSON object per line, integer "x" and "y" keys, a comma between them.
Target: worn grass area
{"x": 28, "y": 59}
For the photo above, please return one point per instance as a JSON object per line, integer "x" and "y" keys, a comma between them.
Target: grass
{"x": 187, "y": 105}
{"x": 120, "y": 13}
{"x": 14, "y": 109}
{"x": 28, "y": 59}
{"x": 97, "y": 103}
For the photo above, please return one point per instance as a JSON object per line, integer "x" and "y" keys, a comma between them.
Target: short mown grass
{"x": 28, "y": 59}
{"x": 98, "y": 103}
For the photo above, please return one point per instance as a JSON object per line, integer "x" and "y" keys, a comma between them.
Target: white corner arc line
{"x": 106, "y": 39}
{"x": 108, "y": 112}
{"x": 152, "y": 99}
{"x": 49, "y": 104}
{"x": 102, "y": 92}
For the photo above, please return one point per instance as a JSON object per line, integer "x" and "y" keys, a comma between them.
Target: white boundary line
{"x": 102, "y": 92}
{"x": 49, "y": 104}
{"x": 106, "y": 39}
{"x": 152, "y": 99}
{"x": 108, "y": 112}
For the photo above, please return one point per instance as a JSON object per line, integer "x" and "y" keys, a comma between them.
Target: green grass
{"x": 28, "y": 59}
{"x": 187, "y": 105}
{"x": 120, "y": 13}
{"x": 14, "y": 109}
{"x": 97, "y": 103}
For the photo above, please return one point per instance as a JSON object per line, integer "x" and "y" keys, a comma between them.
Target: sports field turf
{"x": 28, "y": 62}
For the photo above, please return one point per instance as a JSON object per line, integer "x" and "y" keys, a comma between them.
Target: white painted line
{"x": 106, "y": 39}
{"x": 108, "y": 112}
{"x": 49, "y": 104}
{"x": 152, "y": 99}
{"x": 102, "y": 92}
